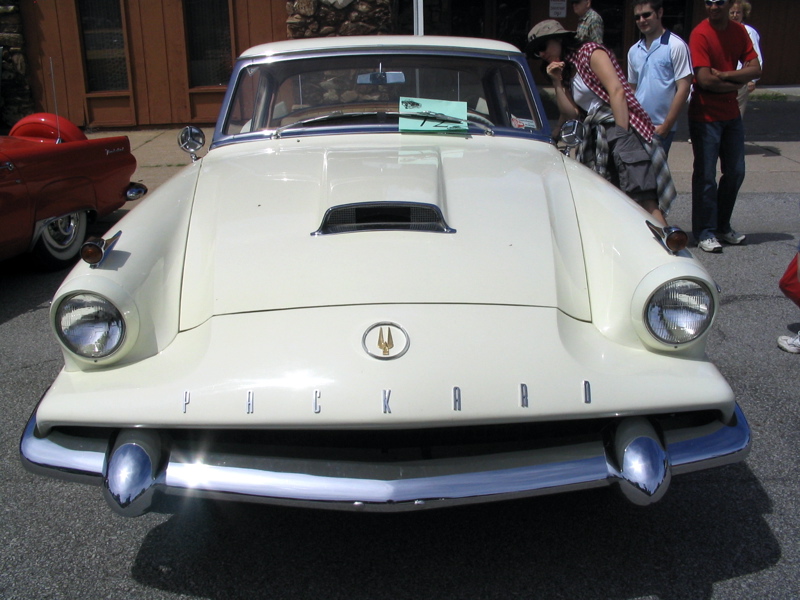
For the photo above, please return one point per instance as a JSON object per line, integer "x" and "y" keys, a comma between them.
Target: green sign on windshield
{"x": 423, "y": 115}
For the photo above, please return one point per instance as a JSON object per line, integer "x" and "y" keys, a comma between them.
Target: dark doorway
{"x": 507, "y": 21}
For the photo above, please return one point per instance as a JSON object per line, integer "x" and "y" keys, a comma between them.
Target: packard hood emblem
{"x": 385, "y": 341}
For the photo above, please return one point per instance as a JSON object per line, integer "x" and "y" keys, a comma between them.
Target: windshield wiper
{"x": 436, "y": 116}
{"x": 429, "y": 115}
{"x": 424, "y": 114}
{"x": 332, "y": 116}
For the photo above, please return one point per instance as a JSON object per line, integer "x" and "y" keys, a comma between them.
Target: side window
{"x": 248, "y": 107}
{"x": 511, "y": 101}
{"x": 208, "y": 41}
{"x": 104, "y": 45}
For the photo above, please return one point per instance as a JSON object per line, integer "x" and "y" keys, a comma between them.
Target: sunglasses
{"x": 715, "y": 2}
{"x": 537, "y": 52}
{"x": 643, "y": 16}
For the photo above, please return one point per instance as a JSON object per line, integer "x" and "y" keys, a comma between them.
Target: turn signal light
{"x": 95, "y": 250}
{"x": 675, "y": 238}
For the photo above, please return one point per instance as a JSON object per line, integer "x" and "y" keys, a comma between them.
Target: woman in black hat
{"x": 619, "y": 144}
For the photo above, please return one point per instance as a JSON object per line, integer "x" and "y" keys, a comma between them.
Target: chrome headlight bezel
{"x": 89, "y": 325}
{"x": 679, "y": 311}
{"x": 675, "y": 332}
{"x": 116, "y": 300}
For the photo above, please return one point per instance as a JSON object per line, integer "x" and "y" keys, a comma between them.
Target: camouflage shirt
{"x": 590, "y": 27}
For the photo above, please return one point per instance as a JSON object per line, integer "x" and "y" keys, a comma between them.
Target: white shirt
{"x": 756, "y": 39}
{"x": 583, "y": 96}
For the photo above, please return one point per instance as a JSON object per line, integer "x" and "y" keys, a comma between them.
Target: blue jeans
{"x": 712, "y": 204}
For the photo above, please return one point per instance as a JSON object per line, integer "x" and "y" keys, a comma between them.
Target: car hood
{"x": 252, "y": 245}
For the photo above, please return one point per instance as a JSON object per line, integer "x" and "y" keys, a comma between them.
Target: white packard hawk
{"x": 383, "y": 288}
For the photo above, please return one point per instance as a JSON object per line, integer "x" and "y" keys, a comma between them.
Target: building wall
{"x": 156, "y": 57}
{"x": 777, "y": 23}
{"x": 156, "y": 47}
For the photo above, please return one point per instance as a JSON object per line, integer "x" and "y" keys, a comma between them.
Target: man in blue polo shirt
{"x": 659, "y": 69}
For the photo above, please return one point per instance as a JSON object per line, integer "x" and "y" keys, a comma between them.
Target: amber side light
{"x": 675, "y": 238}
{"x": 92, "y": 250}
{"x": 95, "y": 249}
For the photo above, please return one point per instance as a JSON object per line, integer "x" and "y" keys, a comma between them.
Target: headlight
{"x": 89, "y": 325}
{"x": 679, "y": 311}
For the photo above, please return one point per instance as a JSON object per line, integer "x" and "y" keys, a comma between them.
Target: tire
{"x": 61, "y": 241}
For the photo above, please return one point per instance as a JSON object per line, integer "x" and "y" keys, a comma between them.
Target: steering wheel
{"x": 479, "y": 118}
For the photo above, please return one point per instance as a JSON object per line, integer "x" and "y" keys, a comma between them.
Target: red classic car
{"x": 53, "y": 181}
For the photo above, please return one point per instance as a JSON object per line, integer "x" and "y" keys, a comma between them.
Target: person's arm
{"x": 683, "y": 86}
{"x": 633, "y": 74}
{"x": 708, "y": 79}
{"x": 604, "y": 69}
{"x": 566, "y": 105}
{"x": 750, "y": 70}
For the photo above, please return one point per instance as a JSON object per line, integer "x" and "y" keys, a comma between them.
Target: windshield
{"x": 371, "y": 90}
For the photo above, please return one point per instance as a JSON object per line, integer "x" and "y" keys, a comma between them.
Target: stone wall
{"x": 323, "y": 18}
{"x": 16, "y": 100}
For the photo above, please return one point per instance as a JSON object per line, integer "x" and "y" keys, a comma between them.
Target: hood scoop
{"x": 383, "y": 216}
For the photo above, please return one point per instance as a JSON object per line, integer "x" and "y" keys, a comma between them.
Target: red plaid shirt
{"x": 637, "y": 115}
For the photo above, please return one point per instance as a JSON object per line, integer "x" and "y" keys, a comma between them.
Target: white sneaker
{"x": 710, "y": 245}
{"x": 733, "y": 238}
{"x": 789, "y": 343}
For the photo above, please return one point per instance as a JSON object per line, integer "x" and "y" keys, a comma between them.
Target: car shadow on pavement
{"x": 24, "y": 288}
{"x": 708, "y": 529}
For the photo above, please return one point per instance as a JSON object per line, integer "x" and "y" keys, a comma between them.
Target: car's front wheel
{"x": 61, "y": 241}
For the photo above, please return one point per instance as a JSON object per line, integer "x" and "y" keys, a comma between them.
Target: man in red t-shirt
{"x": 717, "y": 45}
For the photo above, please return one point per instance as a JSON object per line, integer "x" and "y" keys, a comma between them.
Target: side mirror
{"x": 572, "y": 133}
{"x": 191, "y": 139}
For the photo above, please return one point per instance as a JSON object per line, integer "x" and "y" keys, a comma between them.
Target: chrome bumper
{"x": 132, "y": 465}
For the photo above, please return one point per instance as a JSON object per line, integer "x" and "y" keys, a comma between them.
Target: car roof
{"x": 381, "y": 42}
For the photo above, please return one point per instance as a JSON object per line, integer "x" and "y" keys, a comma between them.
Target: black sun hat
{"x": 543, "y": 31}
